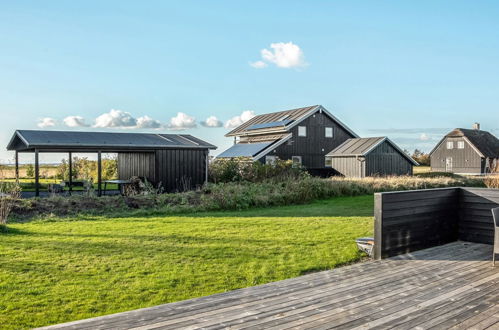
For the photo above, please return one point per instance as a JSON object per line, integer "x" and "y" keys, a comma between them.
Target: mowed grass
{"x": 69, "y": 269}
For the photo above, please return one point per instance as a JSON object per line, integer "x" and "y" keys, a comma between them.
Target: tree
{"x": 30, "y": 171}
{"x": 421, "y": 157}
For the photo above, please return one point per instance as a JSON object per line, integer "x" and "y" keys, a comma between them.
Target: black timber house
{"x": 361, "y": 157}
{"x": 466, "y": 151}
{"x": 303, "y": 135}
{"x": 172, "y": 161}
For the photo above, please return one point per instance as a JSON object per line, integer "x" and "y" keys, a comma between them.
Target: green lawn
{"x": 68, "y": 269}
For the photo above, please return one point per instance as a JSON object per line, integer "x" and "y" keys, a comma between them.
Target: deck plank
{"x": 441, "y": 287}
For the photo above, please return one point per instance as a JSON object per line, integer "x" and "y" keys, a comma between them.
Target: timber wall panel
{"x": 475, "y": 218}
{"x": 412, "y": 220}
{"x": 407, "y": 221}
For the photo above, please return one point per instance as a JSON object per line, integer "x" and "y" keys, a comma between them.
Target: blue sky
{"x": 408, "y": 70}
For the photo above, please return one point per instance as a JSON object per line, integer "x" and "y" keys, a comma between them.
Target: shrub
{"x": 242, "y": 169}
{"x": 232, "y": 196}
{"x": 10, "y": 192}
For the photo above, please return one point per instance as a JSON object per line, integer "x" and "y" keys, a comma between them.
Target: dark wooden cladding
{"x": 386, "y": 160}
{"x": 314, "y": 147}
{"x": 413, "y": 220}
{"x": 407, "y": 221}
{"x": 475, "y": 218}
{"x": 181, "y": 169}
{"x": 139, "y": 164}
{"x": 172, "y": 169}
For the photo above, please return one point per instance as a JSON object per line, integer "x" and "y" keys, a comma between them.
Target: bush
{"x": 241, "y": 169}
{"x": 10, "y": 192}
{"x": 231, "y": 196}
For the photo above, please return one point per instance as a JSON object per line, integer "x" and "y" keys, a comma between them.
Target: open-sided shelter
{"x": 173, "y": 161}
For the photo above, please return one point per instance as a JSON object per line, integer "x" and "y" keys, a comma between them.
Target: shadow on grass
{"x": 6, "y": 230}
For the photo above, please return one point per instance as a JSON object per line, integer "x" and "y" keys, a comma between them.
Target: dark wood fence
{"x": 407, "y": 221}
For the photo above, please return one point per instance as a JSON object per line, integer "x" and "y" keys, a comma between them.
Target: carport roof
{"x": 29, "y": 140}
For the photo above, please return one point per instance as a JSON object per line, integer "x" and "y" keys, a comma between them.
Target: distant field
{"x": 9, "y": 172}
{"x": 421, "y": 169}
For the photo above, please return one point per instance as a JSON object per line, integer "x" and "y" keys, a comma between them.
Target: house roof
{"x": 363, "y": 146}
{"x": 255, "y": 150}
{"x": 244, "y": 149}
{"x": 281, "y": 121}
{"x": 29, "y": 140}
{"x": 484, "y": 142}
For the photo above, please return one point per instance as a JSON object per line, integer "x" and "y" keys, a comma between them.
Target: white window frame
{"x": 302, "y": 131}
{"x": 326, "y": 159}
{"x": 270, "y": 160}
{"x": 330, "y": 131}
{"x": 450, "y": 145}
{"x": 460, "y": 144}
{"x": 299, "y": 162}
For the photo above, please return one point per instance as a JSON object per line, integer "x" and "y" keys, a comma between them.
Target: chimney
{"x": 476, "y": 126}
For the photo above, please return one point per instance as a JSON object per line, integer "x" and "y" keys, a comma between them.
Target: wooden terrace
{"x": 453, "y": 285}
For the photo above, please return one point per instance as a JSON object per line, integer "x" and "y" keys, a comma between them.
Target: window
{"x": 296, "y": 160}
{"x": 329, "y": 162}
{"x": 329, "y": 132}
{"x": 270, "y": 160}
{"x": 450, "y": 145}
{"x": 302, "y": 130}
{"x": 460, "y": 144}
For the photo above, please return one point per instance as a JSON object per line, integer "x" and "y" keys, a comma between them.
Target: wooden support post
{"x": 99, "y": 173}
{"x": 37, "y": 174}
{"x": 17, "y": 165}
{"x": 70, "y": 165}
{"x": 207, "y": 165}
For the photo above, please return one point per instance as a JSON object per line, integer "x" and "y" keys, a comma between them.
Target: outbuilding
{"x": 172, "y": 161}
{"x": 361, "y": 157}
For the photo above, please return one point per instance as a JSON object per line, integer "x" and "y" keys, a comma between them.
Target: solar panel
{"x": 244, "y": 150}
{"x": 269, "y": 125}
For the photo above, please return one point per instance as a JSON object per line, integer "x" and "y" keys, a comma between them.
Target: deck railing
{"x": 407, "y": 221}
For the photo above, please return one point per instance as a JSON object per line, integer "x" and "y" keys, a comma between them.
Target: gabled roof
{"x": 486, "y": 144}
{"x": 282, "y": 121}
{"x": 363, "y": 146}
{"x": 28, "y": 140}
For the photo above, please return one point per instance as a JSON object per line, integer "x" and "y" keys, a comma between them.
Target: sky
{"x": 409, "y": 70}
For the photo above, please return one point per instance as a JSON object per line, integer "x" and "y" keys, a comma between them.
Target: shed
{"x": 361, "y": 157}
{"x": 170, "y": 160}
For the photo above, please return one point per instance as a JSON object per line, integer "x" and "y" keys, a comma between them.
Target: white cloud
{"x": 46, "y": 122}
{"x": 258, "y": 64}
{"x": 115, "y": 118}
{"x": 283, "y": 55}
{"x": 424, "y": 137}
{"x": 212, "y": 121}
{"x": 181, "y": 121}
{"x": 75, "y": 121}
{"x": 238, "y": 120}
{"x": 147, "y": 122}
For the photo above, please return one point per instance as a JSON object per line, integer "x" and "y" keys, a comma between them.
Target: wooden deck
{"x": 450, "y": 286}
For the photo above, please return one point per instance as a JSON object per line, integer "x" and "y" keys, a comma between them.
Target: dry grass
{"x": 492, "y": 181}
{"x": 394, "y": 183}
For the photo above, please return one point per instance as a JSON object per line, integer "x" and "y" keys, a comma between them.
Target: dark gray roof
{"x": 27, "y": 140}
{"x": 289, "y": 115}
{"x": 356, "y": 147}
{"x": 363, "y": 146}
{"x": 484, "y": 141}
{"x": 244, "y": 149}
